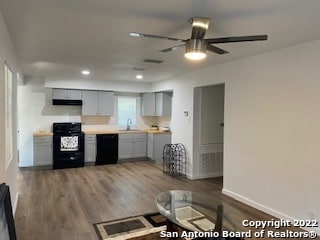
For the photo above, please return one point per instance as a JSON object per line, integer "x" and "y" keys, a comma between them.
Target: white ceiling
{"x": 59, "y": 38}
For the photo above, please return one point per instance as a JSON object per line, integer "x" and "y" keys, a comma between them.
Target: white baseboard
{"x": 264, "y": 208}
{"x": 202, "y": 176}
{"x": 189, "y": 176}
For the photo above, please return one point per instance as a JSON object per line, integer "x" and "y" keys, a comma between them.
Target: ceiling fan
{"x": 197, "y": 45}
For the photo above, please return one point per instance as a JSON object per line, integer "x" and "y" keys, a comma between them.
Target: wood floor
{"x": 63, "y": 204}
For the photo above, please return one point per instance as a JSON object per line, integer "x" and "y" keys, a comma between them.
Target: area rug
{"x": 146, "y": 226}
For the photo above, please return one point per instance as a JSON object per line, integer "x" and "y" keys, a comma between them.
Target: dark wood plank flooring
{"x": 63, "y": 204}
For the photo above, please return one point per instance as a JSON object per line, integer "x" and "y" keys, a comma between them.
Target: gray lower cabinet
{"x": 90, "y": 148}
{"x": 42, "y": 150}
{"x": 132, "y": 145}
{"x": 156, "y": 143}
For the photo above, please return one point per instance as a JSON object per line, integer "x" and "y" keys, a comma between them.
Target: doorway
{"x": 208, "y": 131}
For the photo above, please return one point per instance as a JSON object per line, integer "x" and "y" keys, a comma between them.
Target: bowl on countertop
{"x": 165, "y": 129}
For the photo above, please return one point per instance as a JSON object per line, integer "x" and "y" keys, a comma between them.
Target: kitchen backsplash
{"x": 110, "y": 123}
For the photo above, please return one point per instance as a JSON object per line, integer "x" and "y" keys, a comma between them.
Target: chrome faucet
{"x": 129, "y": 122}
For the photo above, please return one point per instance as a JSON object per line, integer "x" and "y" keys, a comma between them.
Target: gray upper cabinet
{"x": 69, "y": 94}
{"x": 97, "y": 103}
{"x": 156, "y": 104}
{"x": 106, "y": 103}
{"x": 148, "y": 104}
{"x": 163, "y": 104}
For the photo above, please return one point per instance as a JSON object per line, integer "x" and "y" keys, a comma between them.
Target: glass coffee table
{"x": 197, "y": 212}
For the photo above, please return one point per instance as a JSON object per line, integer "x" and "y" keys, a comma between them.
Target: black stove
{"x": 68, "y": 145}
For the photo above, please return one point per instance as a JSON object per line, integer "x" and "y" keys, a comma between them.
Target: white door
{"x": 208, "y": 130}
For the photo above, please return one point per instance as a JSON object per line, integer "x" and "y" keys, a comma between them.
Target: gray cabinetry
{"x": 97, "y": 103}
{"x": 163, "y": 104}
{"x": 148, "y": 104}
{"x": 132, "y": 145}
{"x": 139, "y": 147}
{"x": 42, "y": 150}
{"x": 125, "y": 147}
{"x": 156, "y": 104}
{"x": 156, "y": 143}
{"x": 69, "y": 94}
{"x": 90, "y": 148}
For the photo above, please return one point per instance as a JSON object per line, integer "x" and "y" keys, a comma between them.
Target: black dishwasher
{"x": 107, "y": 149}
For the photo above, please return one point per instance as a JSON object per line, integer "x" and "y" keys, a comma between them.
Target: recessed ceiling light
{"x": 139, "y": 76}
{"x": 133, "y": 34}
{"x": 85, "y": 72}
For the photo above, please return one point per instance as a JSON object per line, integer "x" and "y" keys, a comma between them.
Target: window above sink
{"x": 127, "y": 113}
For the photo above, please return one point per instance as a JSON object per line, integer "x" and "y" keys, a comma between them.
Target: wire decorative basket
{"x": 174, "y": 159}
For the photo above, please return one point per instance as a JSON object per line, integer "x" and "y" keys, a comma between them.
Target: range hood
{"x": 67, "y": 102}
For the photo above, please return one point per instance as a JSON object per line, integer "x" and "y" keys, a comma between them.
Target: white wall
{"x": 272, "y": 130}
{"x": 37, "y": 113}
{"x": 8, "y": 171}
{"x": 181, "y": 125}
{"x": 272, "y": 134}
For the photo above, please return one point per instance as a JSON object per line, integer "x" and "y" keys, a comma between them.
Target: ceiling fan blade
{"x": 237, "y": 39}
{"x": 171, "y": 48}
{"x": 216, "y": 49}
{"x": 134, "y": 34}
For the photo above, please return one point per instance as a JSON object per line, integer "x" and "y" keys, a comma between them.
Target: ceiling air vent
{"x": 152, "y": 61}
{"x": 138, "y": 69}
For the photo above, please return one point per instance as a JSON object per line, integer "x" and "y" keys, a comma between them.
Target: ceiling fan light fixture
{"x": 195, "y": 55}
{"x": 197, "y": 45}
{"x": 195, "y": 49}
